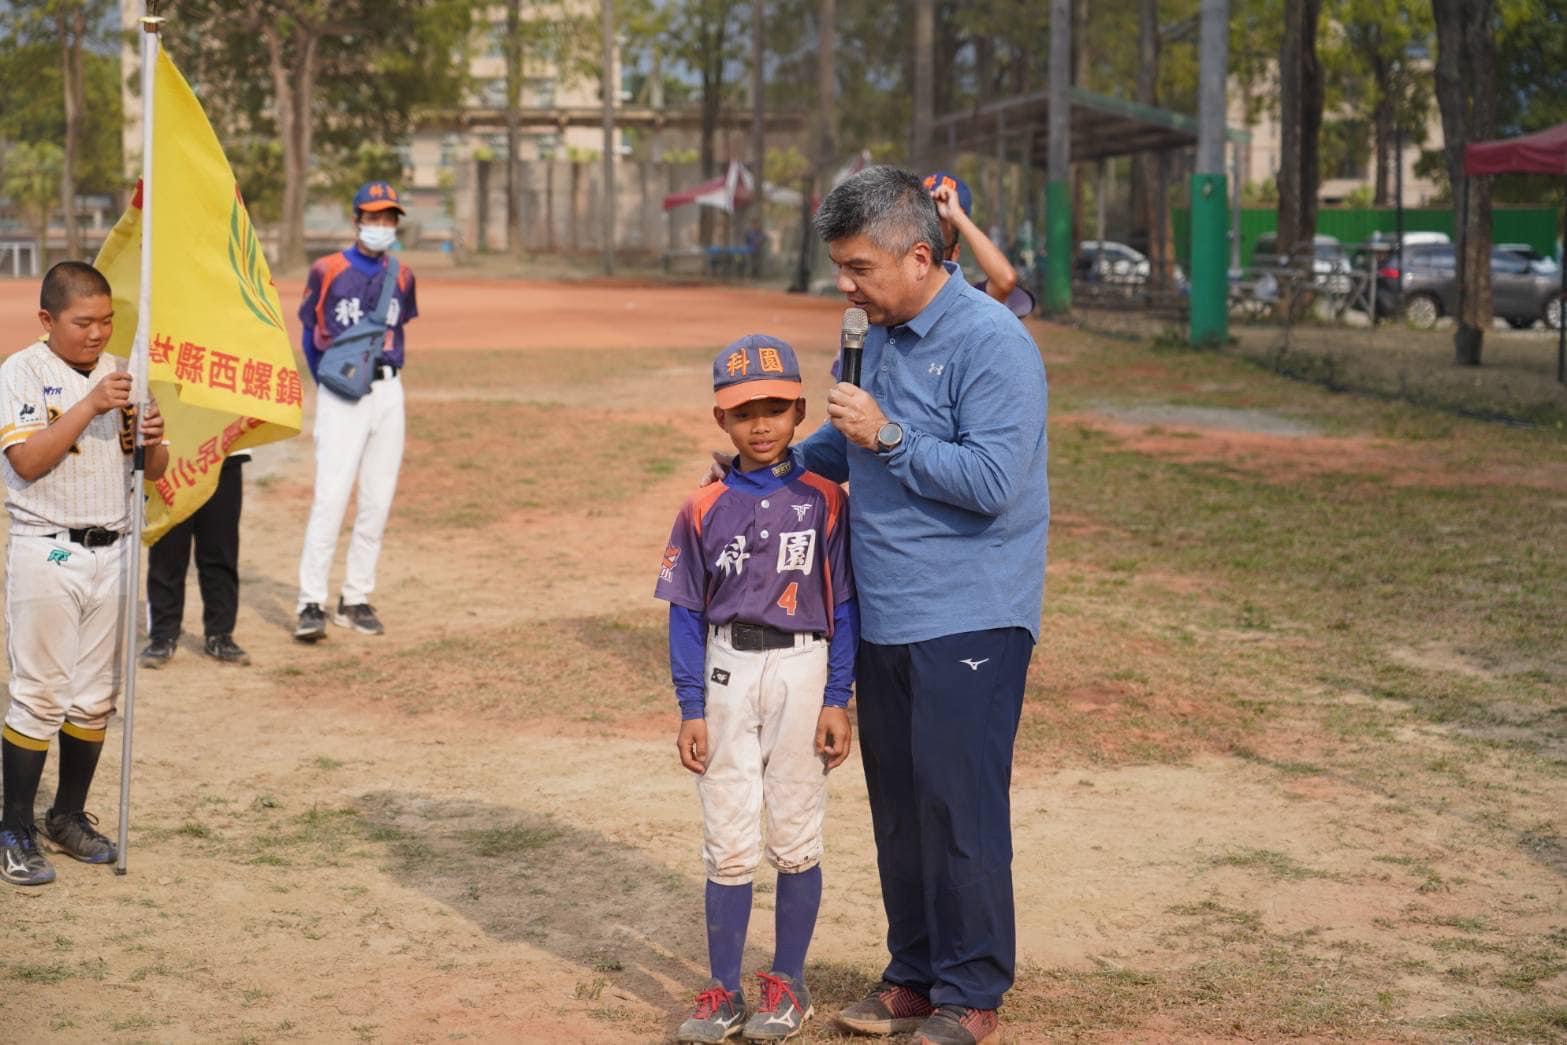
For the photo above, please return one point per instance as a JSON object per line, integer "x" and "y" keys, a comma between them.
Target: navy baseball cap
{"x": 755, "y": 367}
{"x": 940, "y": 178}
{"x": 377, "y": 195}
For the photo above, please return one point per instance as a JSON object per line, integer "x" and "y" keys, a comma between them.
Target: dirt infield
{"x": 1290, "y": 766}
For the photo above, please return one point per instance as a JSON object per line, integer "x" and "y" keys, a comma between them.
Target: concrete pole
{"x": 611, "y": 91}
{"x": 1058, "y": 190}
{"x": 1209, "y": 281}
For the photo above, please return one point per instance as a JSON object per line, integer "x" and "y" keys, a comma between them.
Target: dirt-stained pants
{"x": 762, "y": 709}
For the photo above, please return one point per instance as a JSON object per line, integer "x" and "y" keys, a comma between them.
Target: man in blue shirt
{"x": 944, "y": 448}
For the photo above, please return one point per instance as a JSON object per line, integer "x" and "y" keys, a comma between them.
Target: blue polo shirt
{"x": 947, "y": 532}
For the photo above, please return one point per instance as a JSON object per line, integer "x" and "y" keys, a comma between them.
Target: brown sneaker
{"x": 956, "y": 1025}
{"x": 890, "y": 1008}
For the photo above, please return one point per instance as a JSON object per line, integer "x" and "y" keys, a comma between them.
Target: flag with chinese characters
{"x": 220, "y": 362}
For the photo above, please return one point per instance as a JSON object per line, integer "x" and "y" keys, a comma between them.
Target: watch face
{"x": 890, "y": 435}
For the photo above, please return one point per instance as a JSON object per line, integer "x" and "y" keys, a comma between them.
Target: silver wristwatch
{"x": 889, "y": 437}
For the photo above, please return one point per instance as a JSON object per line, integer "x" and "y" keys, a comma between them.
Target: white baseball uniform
{"x": 63, "y": 599}
{"x": 359, "y": 443}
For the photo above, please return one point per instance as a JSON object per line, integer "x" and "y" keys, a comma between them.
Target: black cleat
{"x": 20, "y": 861}
{"x": 360, "y": 616}
{"x": 77, "y": 836}
{"x": 157, "y": 653}
{"x": 312, "y": 624}
{"x": 222, "y": 648}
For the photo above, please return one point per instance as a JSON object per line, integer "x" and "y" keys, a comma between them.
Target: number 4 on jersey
{"x": 789, "y": 600}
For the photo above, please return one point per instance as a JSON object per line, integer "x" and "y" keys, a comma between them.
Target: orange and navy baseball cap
{"x": 757, "y": 366}
{"x": 378, "y": 195}
{"x": 940, "y": 178}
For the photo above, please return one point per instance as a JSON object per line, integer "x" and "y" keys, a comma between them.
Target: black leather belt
{"x": 384, "y": 371}
{"x": 93, "y": 537}
{"x": 753, "y": 637}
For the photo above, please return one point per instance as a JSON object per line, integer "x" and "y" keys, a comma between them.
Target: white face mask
{"x": 377, "y": 238}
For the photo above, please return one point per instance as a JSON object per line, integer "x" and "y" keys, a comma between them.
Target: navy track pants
{"x": 937, "y": 724}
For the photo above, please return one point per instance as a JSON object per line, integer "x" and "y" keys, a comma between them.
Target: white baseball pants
{"x": 63, "y": 614}
{"x": 356, "y": 444}
{"x": 761, "y": 758}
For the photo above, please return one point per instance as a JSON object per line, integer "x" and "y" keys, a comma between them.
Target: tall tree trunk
{"x": 1143, "y": 203}
{"x": 294, "y": 85}
{"x": 72, "y": 25}
{"x": 1466, "y": 95}
{"x": 611, "y": 89}
{"x": 1382, "y": 129}
{"x": 820, "y": 183}
{"x": 1300, "y": 114}
{"x": 715, "y": 35}
{"x": 921, "y": 153}
{"x": 515, "y": 223}
{"x": 1081, "y": 61}
{"x": 758, "y": 129}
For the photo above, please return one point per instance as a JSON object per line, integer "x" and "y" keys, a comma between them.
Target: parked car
{"x": 1389, "y": 240}
{"x": 1544, "y": 264}
{"x": 1426, "y": 288}
{"x": 1329, "y": 263}
{"x": 1106, "y": 261}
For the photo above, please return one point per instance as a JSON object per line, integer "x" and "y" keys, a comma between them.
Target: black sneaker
{"x": 222, "y": 648}
{"x": 312, "y": 623}
{"x": 77, "y": 835}
{"x": 20, "y": 861}
{"x": 360, "y": 616}
{"x": 157, "y": 653}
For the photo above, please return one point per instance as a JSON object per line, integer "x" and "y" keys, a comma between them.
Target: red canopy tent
{"x": 1543, "y": 152}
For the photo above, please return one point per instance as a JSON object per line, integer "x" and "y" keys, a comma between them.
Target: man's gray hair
{"x": 888, "y": 205}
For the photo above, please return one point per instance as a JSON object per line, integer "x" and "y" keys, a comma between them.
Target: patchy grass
{"x": 619, "y": 668}
{"x": 473, "y": 463}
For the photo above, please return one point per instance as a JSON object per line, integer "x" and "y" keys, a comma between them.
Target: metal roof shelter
{"x": 1102, "y": 127}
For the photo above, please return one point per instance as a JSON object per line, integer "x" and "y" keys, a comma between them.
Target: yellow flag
{"x": 220, "y": 363}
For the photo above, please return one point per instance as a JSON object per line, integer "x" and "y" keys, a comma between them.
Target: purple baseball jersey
{"x": 762, "y": 548}
{"x": 342, "y": 289}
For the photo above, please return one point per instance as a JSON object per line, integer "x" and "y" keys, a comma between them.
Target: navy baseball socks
{"x": 21, "y": 768}
{"x": 728, "y": 917}
{"x": 799, "y": 897}
{"x": 785, "y": 1004}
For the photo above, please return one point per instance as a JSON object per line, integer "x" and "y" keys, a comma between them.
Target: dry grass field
{"x": 1292, "y": 765}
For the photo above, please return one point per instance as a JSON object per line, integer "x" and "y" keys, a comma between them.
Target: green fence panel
{"x": 1536, "y": 226}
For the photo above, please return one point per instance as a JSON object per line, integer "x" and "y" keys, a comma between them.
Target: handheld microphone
{"x": 851, "y": 344}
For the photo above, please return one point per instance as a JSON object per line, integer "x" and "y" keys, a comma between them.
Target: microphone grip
{"x": 852, "y": 356}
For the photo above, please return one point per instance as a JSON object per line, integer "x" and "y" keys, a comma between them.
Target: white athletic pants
{"x": 762, "y": 709}
{"x": 63, "y": 611}
{"x": 355, "y": 443}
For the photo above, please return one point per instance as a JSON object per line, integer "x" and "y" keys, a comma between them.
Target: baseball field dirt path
{"x": 475, "y": 828}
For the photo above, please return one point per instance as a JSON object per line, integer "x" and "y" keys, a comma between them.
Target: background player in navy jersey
{"x": 762, "y": 634}
{"x": 954, "y": 203}
{"x": 356, "y": 442}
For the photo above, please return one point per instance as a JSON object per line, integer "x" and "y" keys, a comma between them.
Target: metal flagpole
{"x": 150, "y": 24}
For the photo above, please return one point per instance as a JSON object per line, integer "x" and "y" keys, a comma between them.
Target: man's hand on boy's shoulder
{"x": 834, "y": 736}
{"x": 692, "y": 745}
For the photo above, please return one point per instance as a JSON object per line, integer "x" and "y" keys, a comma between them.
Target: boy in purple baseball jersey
{"x": 359, "y": 444}
{"x": 763, "y": 628}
